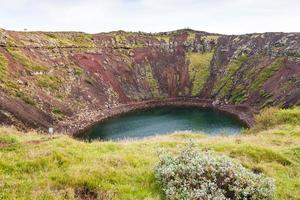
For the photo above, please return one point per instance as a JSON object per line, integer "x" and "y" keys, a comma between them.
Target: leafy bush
{"x": 198, "y": 175}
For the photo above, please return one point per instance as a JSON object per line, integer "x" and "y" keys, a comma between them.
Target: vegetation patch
{"x": 84, "y": 40}
{"x": 196, "y": 175}
{"x": 8, "y": 139}
{"x": 151, "y": 80}
{"x": 238, "y": 98}
{"x": 78, "y": 71}
{"x": 270, "y": 117}
{"x": 165, "y": 38}
{"x": 210, "y": 38}
{"x": 120, "y": 39}
{"x": 35, "y": 166}
{"x": 14, "y": 89}
{"x": 199, "y": 68}
{"x": 266, "y": 73}
{"x": 238, "y": 95}
{"x": 59, "y": 114}
{"x": 28, "y": 63}
{"x": 49, "y": 81}
{"x": 257, "y": 154}
{"x": 24, "y": 97}
{"x": 191, "y": 36}
{"x": 3, "y": 67}
{"x": 224, "y": 84}
{"x": 57, "y": 111}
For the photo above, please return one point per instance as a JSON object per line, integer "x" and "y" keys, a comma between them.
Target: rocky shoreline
{"x": 78, "y": 125}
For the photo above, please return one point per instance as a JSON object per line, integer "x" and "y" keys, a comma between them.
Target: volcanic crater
{"x": 72, "y": 80}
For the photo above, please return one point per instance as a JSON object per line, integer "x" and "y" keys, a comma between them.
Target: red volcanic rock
{"x": 71, "y": 80}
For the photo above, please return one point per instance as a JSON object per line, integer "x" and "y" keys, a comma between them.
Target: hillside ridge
{"x": 63, "y": 79}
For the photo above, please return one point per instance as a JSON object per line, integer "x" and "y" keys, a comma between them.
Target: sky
{"x": 93, "y": 16}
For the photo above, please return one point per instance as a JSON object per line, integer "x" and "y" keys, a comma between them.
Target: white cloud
{"x": 223, "y": 16}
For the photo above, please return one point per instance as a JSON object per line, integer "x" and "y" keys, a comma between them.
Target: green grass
{"x": 273, "y": 116}
{"x": 238, "y": 96}
{"x": 77, "y": 39}
{"x": 191, "y": 37}
{"x": 34, "y": 166}
{"x": 49, "y": 81}
{"x": 199, "y": 66}
{"x": 153, "y": 83}
{"x": 266, "y": 73}
{"x": 57, "y": 111}
{"x": 210, "y": 38}
{"x": 24, "y": 97}
{"x": 10, "y": 86}
{"x": 164, "y": 38}
{"x": 225, "y": 82}
{"x": 8, "y": 139}
{"x": 27, "y": 62}
{"x": 3, "y": 67}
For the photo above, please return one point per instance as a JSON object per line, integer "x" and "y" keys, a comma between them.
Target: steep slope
{"x": 73, "y": 79}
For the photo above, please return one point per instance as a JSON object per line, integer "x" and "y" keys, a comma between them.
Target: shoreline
{"x": 79, "y": 125}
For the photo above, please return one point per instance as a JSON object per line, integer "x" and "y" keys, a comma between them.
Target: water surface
{"x": 164, "y": 120}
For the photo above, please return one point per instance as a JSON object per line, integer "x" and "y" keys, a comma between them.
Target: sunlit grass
{"x": 34, "y": 166}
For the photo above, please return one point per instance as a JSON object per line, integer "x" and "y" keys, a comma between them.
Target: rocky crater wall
{"x": 69, "y": 80}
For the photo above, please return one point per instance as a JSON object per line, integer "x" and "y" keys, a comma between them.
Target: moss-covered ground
{"x": 199, "y": 68}
{"x": 34, "y": 166}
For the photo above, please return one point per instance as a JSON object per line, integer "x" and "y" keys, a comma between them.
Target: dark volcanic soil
{"x": 72, "y": 80}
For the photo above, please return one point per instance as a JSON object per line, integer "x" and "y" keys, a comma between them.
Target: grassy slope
{"x": 32, "y": 166}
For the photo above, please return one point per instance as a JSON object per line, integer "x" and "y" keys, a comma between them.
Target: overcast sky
{"x": 221, "y": 16}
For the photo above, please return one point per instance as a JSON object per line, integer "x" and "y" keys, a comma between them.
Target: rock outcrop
{"x": 69, "y": 80}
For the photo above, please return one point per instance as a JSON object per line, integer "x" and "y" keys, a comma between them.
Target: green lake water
{"x": 164, "y": 120}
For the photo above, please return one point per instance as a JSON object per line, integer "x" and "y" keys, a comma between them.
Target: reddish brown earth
{"x": 72, "y": 80}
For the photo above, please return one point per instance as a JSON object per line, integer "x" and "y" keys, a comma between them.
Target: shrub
{"x": 198, "y": 175}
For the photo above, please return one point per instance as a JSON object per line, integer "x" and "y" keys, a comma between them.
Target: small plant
{"x": 57, "y": 111}
{"x": 196, "y": 175}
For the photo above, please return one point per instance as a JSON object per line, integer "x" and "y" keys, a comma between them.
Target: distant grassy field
{"x": 34, "y": 166}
